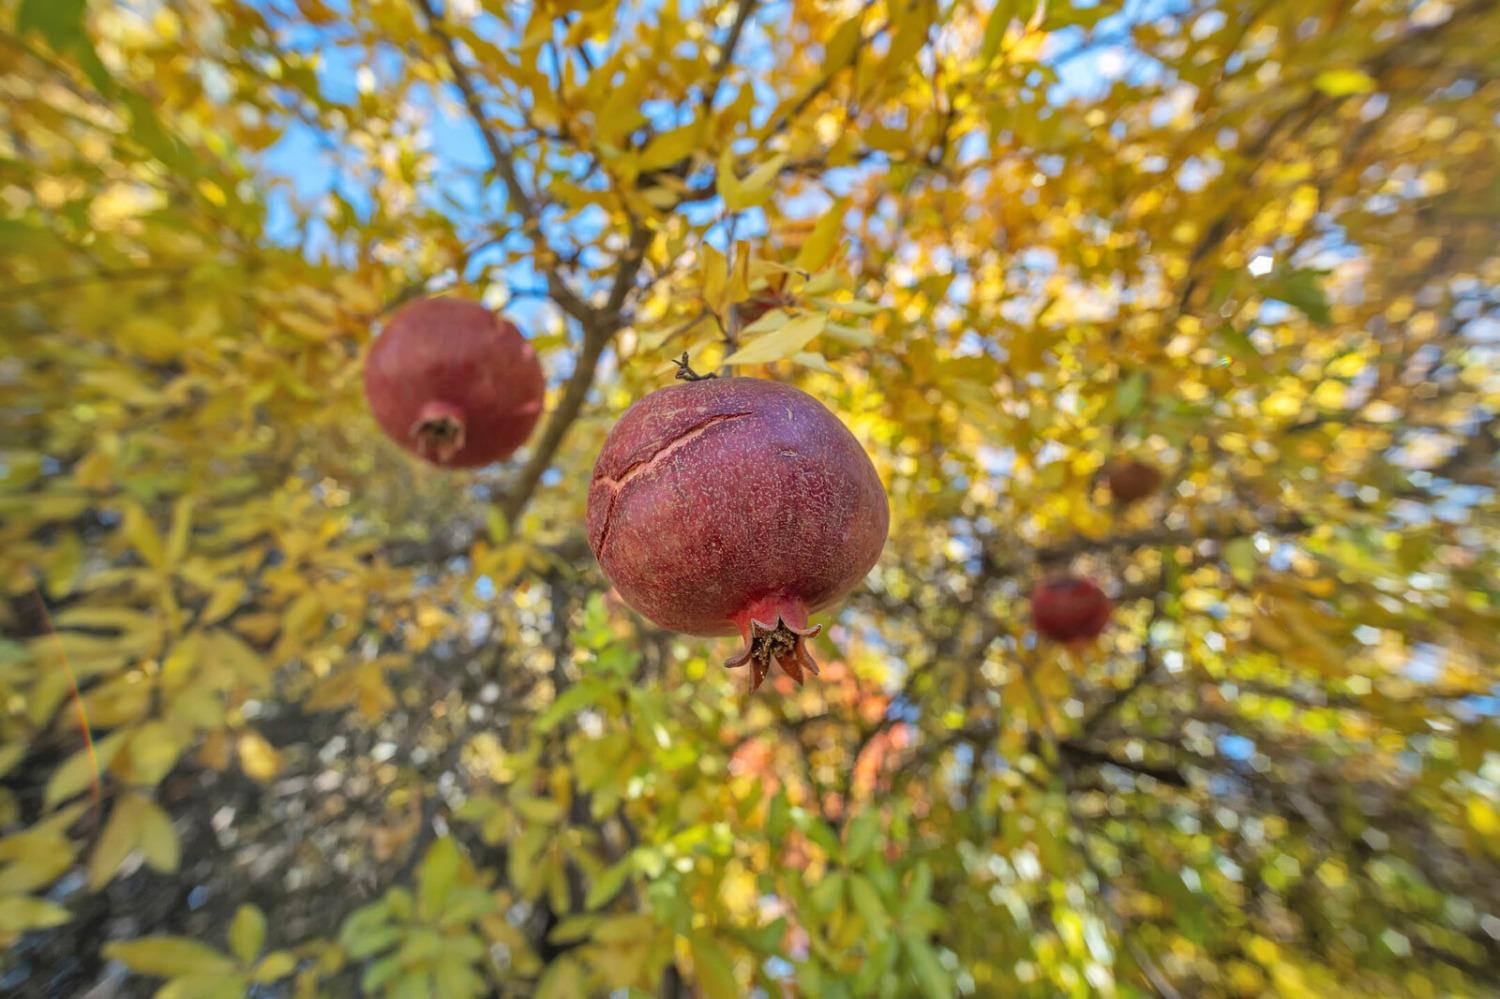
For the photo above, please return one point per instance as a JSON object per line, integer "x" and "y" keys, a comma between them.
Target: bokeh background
{"x": 285, "y": 712}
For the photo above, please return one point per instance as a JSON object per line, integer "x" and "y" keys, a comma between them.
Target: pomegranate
{"x": 1069, "y": 609}
{"x": 736, "y": 505}
{"x": 1130, "y": 480}
{"x": 454, "y": 383}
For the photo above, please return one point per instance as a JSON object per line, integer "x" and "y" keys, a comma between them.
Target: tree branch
{"x": 504, "y": 160}
{"x": 726, "y": 53}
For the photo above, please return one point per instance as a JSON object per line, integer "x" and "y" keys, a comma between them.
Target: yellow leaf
{"x": 247, "y": 933}
{"x": 119, "y": 701}
{"x": 137, "y": 528}
{"x": 275, "y": 965}
{"x": 169, "y": 957}
{"x": 785, "y": 342}
{"x": 228, "y": 649}
{"x": 182, "y": 526}
{"x": 844, "y": 43}
{"x": 852, "y": 335}
{"x": 715, "y": 270}
{"x": 258, "y": 757}
{"x": 11, "y": 755}
{"x": 157, "y": 840}
{"x": 754, "y": 190}
{"x": 1483, "y": 818}
{"x": 808, "y": 359}
{"x": 823, "y": 240}
{"x": 670, "y": 147}
{"x": 77, "y": 771}
{"x": 154, "y": 749}
{"x": 24, "y": 913}
{"x": 36, "y": 860}
{"x": 117, "y": 841}
{"x": 1343, "y": 82}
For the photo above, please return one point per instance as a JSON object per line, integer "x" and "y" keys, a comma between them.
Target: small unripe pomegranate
{"x": 1069, "y": 609}
{"x": 736, "y": 505}
{"x": 454, "y": 383}
{"x": 1130, "y": 480}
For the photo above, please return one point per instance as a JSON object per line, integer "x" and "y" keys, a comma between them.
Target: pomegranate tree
{"x": 736, "y": 505}
{"x": 1131, "y": 480}
{"x": 454, "y": 383}
{"x": 1070, "y": 609}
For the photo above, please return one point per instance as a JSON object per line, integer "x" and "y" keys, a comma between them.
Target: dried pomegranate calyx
{"x": 783, "y": 642}
{"x": 439, "y": 430}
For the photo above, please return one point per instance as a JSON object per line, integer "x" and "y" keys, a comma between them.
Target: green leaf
{"x": 466, "y": 903}
{"x": 712, "y": 970}
{"x": 1302, "y": 290}
{"x": 61, "y": 22}
{"x": 1237, "y": 342}
{"x": 413, "y": 985}
{"x": 863, "y": 832}
{"x": 436, "y": 878}
{"x": 867, "y": 903}
{"x": 571, "y": 701}
{"x": 377, "y": 974}
{"x": 169, "y": 957}
{"x": 367, "y": 931}
{"x": 931, "y": 978}
{"x": 1129, "y": 393}
{"x": 608, "y": 884}
{"x": 779, "y": 818}
{"x": 1240, "y": 556}
{"x": 783, "y": 343}
{"x": 247, "y": 933}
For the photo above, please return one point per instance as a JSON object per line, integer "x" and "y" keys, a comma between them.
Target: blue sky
{"x": 304, "y": 166}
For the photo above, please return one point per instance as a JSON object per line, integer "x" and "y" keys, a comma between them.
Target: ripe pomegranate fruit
{"x": 1130, "y": 480}
{"x": 1069, "y": 609}
{"x": 735, "y": 504}
{"x": 454, "y": 383}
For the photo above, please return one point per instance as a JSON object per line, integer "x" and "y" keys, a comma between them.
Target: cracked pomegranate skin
{"x": 1070, "y": 609}
{"x": 454, "y": 383}
{"x": 727, "y": 501}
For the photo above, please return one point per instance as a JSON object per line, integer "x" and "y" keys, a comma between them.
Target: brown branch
{"x": 599, "y": 325}
{"x": 1063, "y": 551}
{"x": 726, "y": 53}
{"x": 1149, "y": 662}
{"x": 504, "y": 161}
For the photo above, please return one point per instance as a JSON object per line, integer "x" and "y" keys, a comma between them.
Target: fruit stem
{"x": 685, "y": 373}
{"x": 439, "y": 430}
{"x": 775, "y": 630}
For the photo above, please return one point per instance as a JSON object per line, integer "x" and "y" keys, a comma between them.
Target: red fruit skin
{"x": 454, "y": 383}
{"x": 735, "y": 505}
{"x": 1131, "y": 480}
{"x": 1070, "y": 609}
